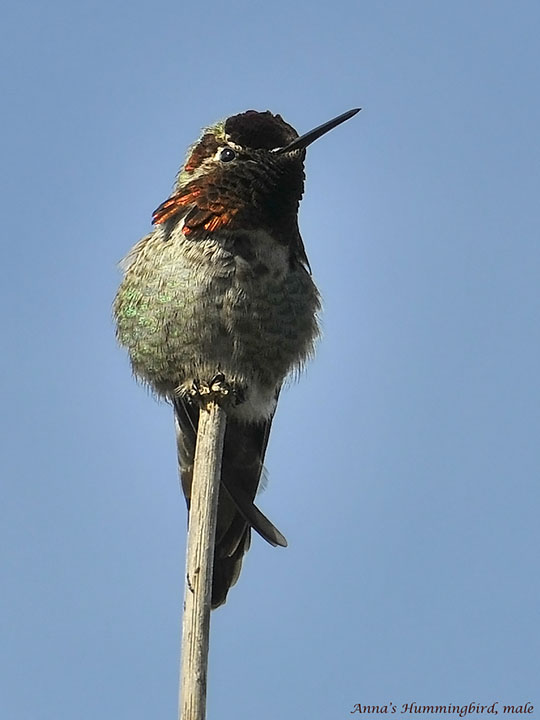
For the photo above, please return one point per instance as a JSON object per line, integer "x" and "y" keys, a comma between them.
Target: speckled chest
{"x": 233, "y": 301}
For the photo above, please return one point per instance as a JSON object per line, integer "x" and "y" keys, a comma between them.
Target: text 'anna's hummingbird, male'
{"x": 221, "y": 288}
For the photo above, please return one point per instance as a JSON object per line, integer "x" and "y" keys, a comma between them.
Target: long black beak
{"x": 305, "y": 140}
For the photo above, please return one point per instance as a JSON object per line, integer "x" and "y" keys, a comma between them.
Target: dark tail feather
{"x": 252, "y": 515}
{"x": 243, "y": 455}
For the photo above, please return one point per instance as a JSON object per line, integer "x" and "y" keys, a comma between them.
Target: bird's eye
{"x": 227, "y": 154}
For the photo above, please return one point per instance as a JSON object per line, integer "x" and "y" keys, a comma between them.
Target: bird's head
{"x": 245, "y": 172}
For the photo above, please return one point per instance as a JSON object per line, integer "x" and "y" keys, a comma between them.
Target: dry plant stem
{"x": 200, "y": 561}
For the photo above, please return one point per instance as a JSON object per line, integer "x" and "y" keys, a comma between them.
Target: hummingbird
{"x": 221, "y": 292}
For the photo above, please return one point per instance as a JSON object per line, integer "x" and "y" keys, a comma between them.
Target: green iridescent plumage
{"x": 222, "y": 285}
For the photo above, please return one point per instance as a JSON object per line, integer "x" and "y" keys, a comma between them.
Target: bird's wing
{"x": 243, "y": 454}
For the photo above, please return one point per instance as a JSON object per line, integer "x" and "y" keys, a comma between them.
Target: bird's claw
{"x": 217, "y": 386}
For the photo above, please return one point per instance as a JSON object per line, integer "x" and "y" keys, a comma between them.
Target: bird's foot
{"x": 215, "y": 386}
{"x": 219, "y": 388}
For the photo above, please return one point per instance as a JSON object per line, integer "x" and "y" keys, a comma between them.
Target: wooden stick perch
{"x": 200, "y": 561}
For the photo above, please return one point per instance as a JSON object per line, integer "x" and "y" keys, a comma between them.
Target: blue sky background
{"x": 403, "y": 467}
